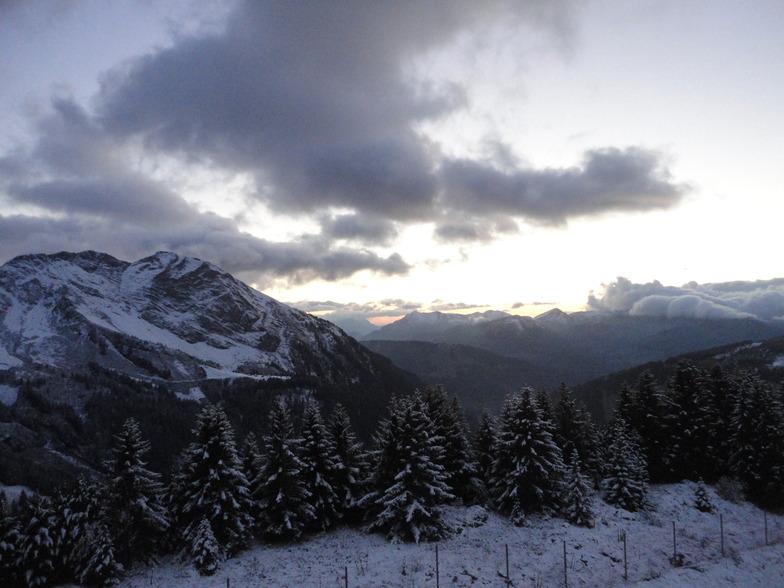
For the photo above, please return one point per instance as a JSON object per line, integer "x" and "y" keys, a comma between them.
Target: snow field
{"x": 475, "y": 555}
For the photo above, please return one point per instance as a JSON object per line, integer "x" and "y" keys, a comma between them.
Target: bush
{"x": 730, "y": 489}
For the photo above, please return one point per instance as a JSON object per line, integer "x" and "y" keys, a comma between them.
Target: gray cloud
{"x": 609, "y": 179}
{"x": 762, "y": 299}
{"x": 317, "y": 102}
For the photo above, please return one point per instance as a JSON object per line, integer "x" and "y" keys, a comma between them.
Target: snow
{"x": 778, "y": 362}
{"x": 7, "y": 360}
{"x": 193, "y": 393}
{"x": 8, "y": 394}
{"x": 475, "y": 554}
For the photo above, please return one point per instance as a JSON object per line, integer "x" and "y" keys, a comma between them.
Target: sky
{"x": 371, "y": 159}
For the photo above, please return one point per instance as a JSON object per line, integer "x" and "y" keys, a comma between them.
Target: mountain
{"x": 83, "y": 334}
{"x": 480, "y": 379}
{"x": 763, "y": 358}
{"x": 578, "y": 347}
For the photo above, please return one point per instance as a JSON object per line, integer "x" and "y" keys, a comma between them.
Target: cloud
{"x": 610, "y": 179}
{"x": 762, "y": 299}
{"x": 321, "y": 105}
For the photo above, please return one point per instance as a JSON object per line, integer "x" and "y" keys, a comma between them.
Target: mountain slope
{"x": 86, "y": 340}
{"x": 581, "y": 346}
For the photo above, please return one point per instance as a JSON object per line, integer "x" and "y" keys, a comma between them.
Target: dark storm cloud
{"x": 762, "y": 299}
{"x": 609, "y": 179}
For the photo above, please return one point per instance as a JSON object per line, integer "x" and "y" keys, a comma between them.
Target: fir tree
{"x": 36, "y": 557}
{"x": 578, "y": 506}
{"x": 319, "y": 468}
{"x": 687, "y": 434}
{"x": 625, "y": 484}
{"x": 252, "y": 466}
{"x": 528, "y": 469}
{"x": 450, "y": 431}
{"x": 651, "y": 418}
{"x": 204, "y": 550}
{"x": 351, "y": 467}
{"x": 485, "y": 446}
{"x": 410, "y": 485}
{"x": 574, "y": 429}
{"x": 282, "y": 495}
{"x": 701, "y": 499}
{"x": 8, "y": 540}
{"x": 211, "y": 484}
{"x": 137, "y": 517}
{"x": 95, "y": 551}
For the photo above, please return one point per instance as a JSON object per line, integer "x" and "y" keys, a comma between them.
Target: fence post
{"x": 345, "y": 570}
{"x": 438, "y": 580}
{"x": 566, "y": 579}
{"x": 625, "y": 566}
{"x": 721, "y": 528}
{"x": 507, "y": 561}
{"x": 674, "y": 544}
{"x": 766, "y": 526}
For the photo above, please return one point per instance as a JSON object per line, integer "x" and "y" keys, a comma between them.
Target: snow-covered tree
{"x": 485, "y": 446}
{"x": 211, "y": 484}
{"x": 652, "y": 415}
{"x": 573, "y": 428}
{"x": 136, "y": 515}
{"x": 252, "y": 460}
{"x": 203, "y": 549}
{"x": 36, "y": 550}
{"x": 689, "y": 440}
{"x": 528, "y": 470}
{"x": 577, "y": 503}
{"x": 95, "y": 551}
{"x": 451, "y": 432}
{"x": 319, "y": 469}
{"x": 8, "y": 540}
{"x": 351, "y": 467}
{"x": 625, "y": 484}
{"x": 281, "y": 493}
{"x": 409, "y": 484}
{"x": 757, "y": 441}
{"x": 702, "y": 501}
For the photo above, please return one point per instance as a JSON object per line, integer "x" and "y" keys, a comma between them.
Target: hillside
{"x": 764, "y": 358}
{"x": 475, "y": 554}
{"x": 87, "y": 340}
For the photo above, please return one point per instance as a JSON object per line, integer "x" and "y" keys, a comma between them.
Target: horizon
{"x": 376, "y": 159}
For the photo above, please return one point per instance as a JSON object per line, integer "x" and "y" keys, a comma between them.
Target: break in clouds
{"x": 761, "y": 299}
{"x": 315, "y": 102}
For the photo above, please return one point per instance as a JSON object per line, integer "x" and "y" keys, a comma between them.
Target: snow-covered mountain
{"x": 163, "y": 317}
{"x": 87, "y": 340}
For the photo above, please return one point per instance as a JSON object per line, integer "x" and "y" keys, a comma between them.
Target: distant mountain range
{"x": 552, "y": 348}
{"x": 80, "y": 331}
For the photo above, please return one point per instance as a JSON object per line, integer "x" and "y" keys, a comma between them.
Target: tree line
{"x": 538, "y": 456}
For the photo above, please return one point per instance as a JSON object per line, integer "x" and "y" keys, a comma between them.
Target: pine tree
{"x": 282, "y": 495}
{"x": 651, "y": 418}
{"x": 450, "y": 431}
{"x": 689, "y": 439}
{"x": 36, "y": 557}
{"x": 757, "y": 442}
{"x": 137, "y": 517}
{"x": 410, "y": 485}
{"x": 351, "y": 467}
{"x": 211, "y": 484}
{"x": 8, "y": 539}
{"x": 95, "y": 550}
{"x": 574, "y": 429}
{"x": 319, "y": 468}
{"x": 578, "y": 506}
{"x": 528, "y": 469}
{"x": 485, "y": 446}
{"x": 204, "y": 550}
{"x": 701, "y": 499}
{"x": 625, "y": 484}
{"x": 252, "y": 465}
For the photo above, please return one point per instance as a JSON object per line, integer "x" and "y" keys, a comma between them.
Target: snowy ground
{"x": 476, "y": 555}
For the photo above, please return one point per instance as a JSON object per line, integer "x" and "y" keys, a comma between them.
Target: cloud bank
{"x": 761, "y": 299}
{"x": 318, "y": 104}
